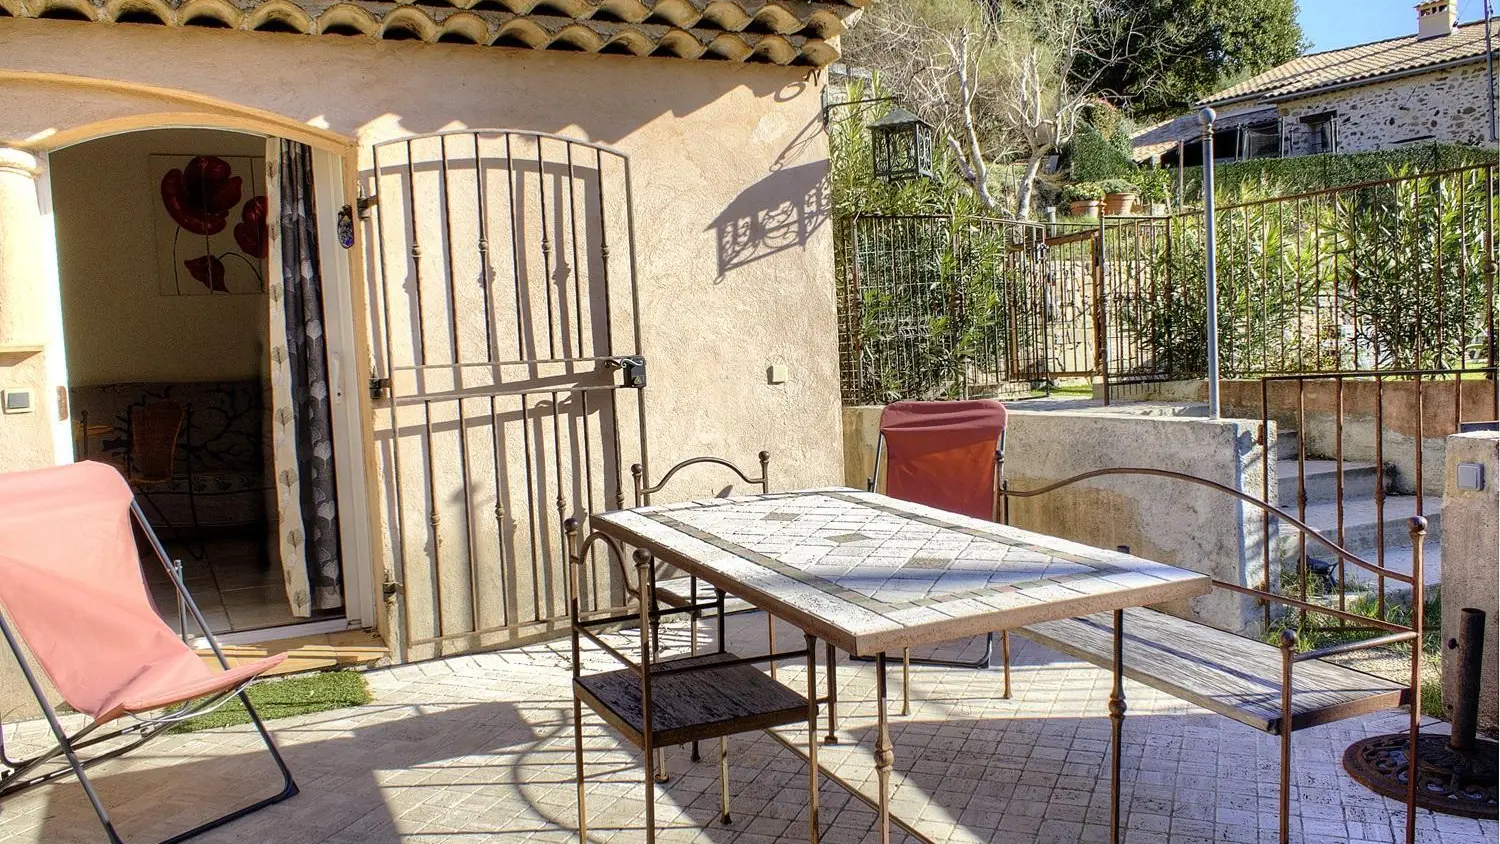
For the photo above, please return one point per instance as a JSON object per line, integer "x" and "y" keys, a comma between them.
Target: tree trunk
{"x": 1027, "y": 187}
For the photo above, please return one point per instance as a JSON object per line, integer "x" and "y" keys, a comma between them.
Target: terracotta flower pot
{"x": 1119, "y": 203}
{"x": 1084, "y": 208}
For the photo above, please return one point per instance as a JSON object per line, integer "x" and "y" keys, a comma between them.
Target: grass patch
{"x": 1315, "y": 631}
{"x": 283, "y": 698}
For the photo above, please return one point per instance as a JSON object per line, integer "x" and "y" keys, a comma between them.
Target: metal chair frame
{"x": 643, "y": 492}
{"x": 871, "y": 485}
{"x": 1394, "y": 633}
{"x": 14, "y": 780}
{"x": 648, "y": 666}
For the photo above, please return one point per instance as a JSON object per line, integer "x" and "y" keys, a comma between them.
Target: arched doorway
{"x": 174, "y": 324}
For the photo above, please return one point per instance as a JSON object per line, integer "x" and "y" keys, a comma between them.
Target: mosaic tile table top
{"x": 869, "y": 573}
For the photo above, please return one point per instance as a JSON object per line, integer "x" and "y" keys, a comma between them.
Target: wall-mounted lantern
{"x": 901, "y": 144}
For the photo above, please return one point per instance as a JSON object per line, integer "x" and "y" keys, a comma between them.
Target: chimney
{"x": 1435, "y": 18}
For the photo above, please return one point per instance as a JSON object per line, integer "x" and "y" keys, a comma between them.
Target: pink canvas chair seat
{"x": 71, "y": 583}
{"x": 943, "y": 453}
{"x": 948, "y": 455}
{"x": 74, "y": 604}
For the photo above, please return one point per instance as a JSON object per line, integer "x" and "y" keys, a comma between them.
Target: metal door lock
{"x": 634, "y": 369}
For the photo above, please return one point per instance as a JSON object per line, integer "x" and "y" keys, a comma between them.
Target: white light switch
{"x": 776, "y": 373}
{"x": 18, "y": 401}
{"x": 1470, "y": 476}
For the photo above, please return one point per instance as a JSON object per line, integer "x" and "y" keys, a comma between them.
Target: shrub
{"x": 1083, "y": 192}
{"x": 1119, "y": 186}
{"x": 1093, "y": 157}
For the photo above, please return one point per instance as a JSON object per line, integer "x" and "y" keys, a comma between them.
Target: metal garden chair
{"x": 654, "y": 702}
{"x": 76, "y": 608}
{"x": 949, "y": 455}
{"x": 683, "y": 591}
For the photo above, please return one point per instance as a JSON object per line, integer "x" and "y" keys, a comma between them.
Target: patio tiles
{"x": 479, "y": 748}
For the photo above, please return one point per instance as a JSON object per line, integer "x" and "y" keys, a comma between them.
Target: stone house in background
{"x": 1429, "y": 87}
{"x": 529, "y": 244}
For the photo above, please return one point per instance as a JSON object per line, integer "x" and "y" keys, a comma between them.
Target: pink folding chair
{"x": 72, "y": 590}
{"x": 949, "y": 455}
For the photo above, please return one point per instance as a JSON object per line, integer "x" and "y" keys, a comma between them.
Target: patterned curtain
{"x": 301, "y": 419}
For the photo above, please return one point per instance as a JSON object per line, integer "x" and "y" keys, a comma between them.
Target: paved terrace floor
{"x": 479, "y": 749}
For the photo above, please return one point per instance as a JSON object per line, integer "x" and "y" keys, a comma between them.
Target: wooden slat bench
{"x": 1232, "y": 675}
{"x": 1255, "y": 683}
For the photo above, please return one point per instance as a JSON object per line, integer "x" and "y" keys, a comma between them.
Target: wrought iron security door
{"x": 506, "y": 324}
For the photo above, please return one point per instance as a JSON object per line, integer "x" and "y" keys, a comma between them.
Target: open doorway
{"x": 179, "y": 342}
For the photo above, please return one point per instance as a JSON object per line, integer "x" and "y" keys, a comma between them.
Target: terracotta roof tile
{"x": 773, "y": 31}
{"x": 1363, "y": 62}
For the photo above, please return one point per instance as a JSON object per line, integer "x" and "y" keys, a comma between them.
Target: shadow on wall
{"x": 776, "y": 214}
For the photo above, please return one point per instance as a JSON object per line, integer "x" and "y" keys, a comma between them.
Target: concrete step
{"x": 1362, "y": 525}
{"x": 1320, "y": 479}
{"x": 319, "y": 652}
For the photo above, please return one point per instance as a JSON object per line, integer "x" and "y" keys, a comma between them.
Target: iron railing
{"x": 1392, "y": 274}
{"x": 1363, "y": 458}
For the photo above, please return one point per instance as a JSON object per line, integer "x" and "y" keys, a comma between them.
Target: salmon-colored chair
{"x": 949, "y": 455}
{"x": 73, "y": 593}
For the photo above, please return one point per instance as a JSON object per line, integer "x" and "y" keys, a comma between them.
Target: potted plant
{"x": 1083, "y": 199}
{"x": 1119, "y": 196}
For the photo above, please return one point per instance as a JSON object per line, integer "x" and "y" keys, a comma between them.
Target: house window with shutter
{"x": 1322, "y": 133}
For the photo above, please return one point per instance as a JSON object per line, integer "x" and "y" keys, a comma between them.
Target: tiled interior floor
{"x": 480, "y": 749}
{"x": 235, "y": 581}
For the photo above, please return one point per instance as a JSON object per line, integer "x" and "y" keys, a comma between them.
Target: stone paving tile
{"x": 480, "y": 748}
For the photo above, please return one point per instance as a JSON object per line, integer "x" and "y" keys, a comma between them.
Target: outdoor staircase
{"x": 1363, "y": 523}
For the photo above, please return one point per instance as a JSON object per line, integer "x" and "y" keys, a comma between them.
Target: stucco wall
{"x": 1471, "y": 554}
{"x": 1166, "y": 520}
{"x": 119, "y": 326}
{"x": 728, "y": 165}
{"x": 1447, "y": 106}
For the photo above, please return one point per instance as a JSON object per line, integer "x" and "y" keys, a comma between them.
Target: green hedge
{"x": 1093, "y": 157}
{"x": 1273, "y": 176}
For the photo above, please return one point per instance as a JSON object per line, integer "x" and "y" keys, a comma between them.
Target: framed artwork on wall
{"x": 211, "y": 224}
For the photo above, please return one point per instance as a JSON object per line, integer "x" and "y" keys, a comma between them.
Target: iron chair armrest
{"x": 1350, "y": 647}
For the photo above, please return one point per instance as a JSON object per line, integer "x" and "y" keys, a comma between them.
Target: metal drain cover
{"x": 1448, "y": 781}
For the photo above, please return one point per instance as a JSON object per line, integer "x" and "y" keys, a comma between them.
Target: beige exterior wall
{"x": 728, "y": 160}
{"x": 1447, "y": 106}
{"x": 119, "y": 327}
{"x": 1471, "y": 554}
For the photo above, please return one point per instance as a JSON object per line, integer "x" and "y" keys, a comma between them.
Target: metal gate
{"x": 506, "y": 323}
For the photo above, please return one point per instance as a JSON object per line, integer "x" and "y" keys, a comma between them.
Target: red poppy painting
{"x": 211, "y": 223}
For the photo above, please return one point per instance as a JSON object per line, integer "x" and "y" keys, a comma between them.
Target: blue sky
{"x": 1330, "y": 24}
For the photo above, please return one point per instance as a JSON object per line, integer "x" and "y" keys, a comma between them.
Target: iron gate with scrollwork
{"x": 505, "y": 326}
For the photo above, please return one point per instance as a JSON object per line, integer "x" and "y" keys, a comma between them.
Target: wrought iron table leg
{"x": 771, "y": 640}
{"x": 884, "y": 757}
{"x": 1116, "y": 726}
{"x": 833, "y": 695}
{"x": 905, "y": 681}
{"x": 724, "y": 781}
{"x": 1005, "y": 659}
{"x": 812, "y": 736}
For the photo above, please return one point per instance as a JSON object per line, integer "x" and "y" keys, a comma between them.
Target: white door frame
{"x": 355, "y": 552}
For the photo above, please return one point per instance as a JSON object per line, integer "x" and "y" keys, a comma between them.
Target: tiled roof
{"x": 1361, "y": 63}
{"x": 1155, "y": 140}
{"x": 779, "y": 32}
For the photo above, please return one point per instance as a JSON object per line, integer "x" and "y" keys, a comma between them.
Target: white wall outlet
{"x": 19, "y": 401}
{"x": 1470, "y": 476}
{"x": 776, "y": 373}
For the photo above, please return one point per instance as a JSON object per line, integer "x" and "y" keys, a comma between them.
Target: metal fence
{"x": 1393, "y": 274}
